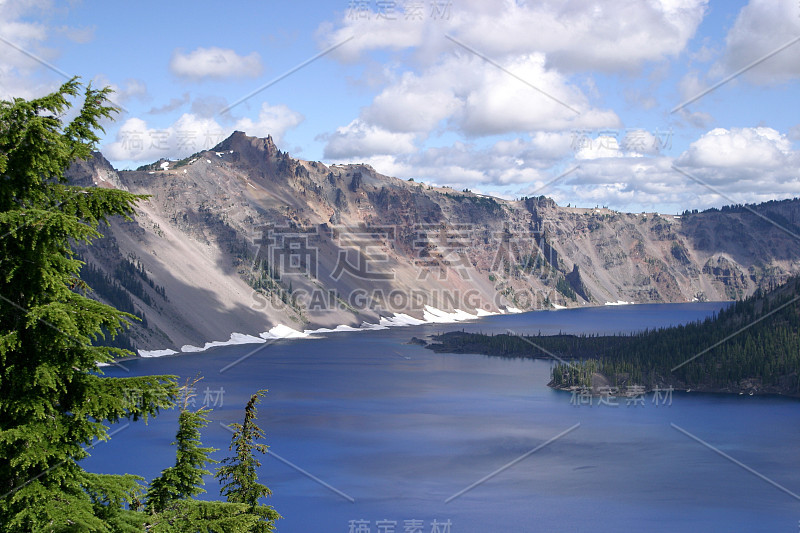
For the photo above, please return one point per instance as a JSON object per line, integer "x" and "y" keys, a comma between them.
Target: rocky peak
{"x": 540, "y": 202}
{"x": 240, "y": 142}
{"x": 256, "y": 155}
{"x": 95, "y": 171}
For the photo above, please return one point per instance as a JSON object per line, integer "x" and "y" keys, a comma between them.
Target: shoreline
{"x": 621, "y": 394}
{"x": 431, "y": 315}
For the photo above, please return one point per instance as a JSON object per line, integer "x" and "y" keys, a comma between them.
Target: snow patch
{"x": 188, "y": 348}
{"x": 557, "y": 307}
{"x": 338, "y": 329}
{"x": 433, "y": 315}
{"x": 283, "y": 332}
{"x": 513, "y": 309}
{"x": 236, "y": 338}
{"x": 400, "y": 320}
{"x": 619, "y": 302}
{"x": 372, "y": 327}
{"x": 460, "y": 314}
{"x": 164, "y": 165}
{"x": 155, "y": 353}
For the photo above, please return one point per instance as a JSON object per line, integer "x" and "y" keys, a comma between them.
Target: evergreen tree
{"x": 238, "y": 474}
{"x": 169, "y": 499}
{"x": 54, "y": 400}
{"x": 183, "y": 480}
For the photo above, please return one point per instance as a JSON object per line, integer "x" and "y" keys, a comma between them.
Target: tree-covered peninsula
{"x": 751, "y": 346}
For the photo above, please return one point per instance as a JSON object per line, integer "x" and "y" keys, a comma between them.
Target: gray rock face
{"x": 244, "y": 237}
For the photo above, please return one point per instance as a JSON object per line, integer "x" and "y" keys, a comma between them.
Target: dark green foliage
{"x": 53, "y": 400}
{"x": 238, "y": 474}
{"x": 130, "y": 275}
{"x": 754, "y": 342}
{"x": 355, "y": 182}
{"x": 534, "y": 265}
{"x": 577, "y": 375}
{"x": 117, "y": 289}
{"x": 679, "y": 252}
{"x": 110, "y": 494}
{"x": 177, "y": 164}
{"x": 563, "y": 286}
{"x": 170, "y": 507}
{"x": 267, "y": 280}
{"x": 198, "y": 516}
{"x": 184, "y": 479}
{"x": 576, "y": 283}
{"x": 110, "y": 289}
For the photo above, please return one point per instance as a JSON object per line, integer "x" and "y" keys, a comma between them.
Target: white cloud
{"x": 14, "y": 25}
{"x": 415, "y": 103}
{"x": 627, "y": 183}
{"x": 501, "y": 167}
{"x": 690, "y": 85}
{"x": 588, "y": 35}
{"x": 542, "y": 148}
{"x": 137, "y": 141}
{"x": 761, "y": 27}
{"x": 20, "y": 74}
{"x": 272, "y": 120}
{"x": 496, "y": 102}
{"x": 123, "y": 92}
{"x": 437, "y": 86}
{"x": 740, "y": 165}
{"x": 600, "y": 147}
{"x": 740, "y": 149}
{"x": 359, "y": 139}
{"x": 638, "y": 142}
{"x": 744, "y": 165}
{"x": 371, "y": 33}
{"x": 467, "y": 95}
{"x": 595, "y": 35}
{"x": 214, "y": 63}
{"x": 24, "y": 25}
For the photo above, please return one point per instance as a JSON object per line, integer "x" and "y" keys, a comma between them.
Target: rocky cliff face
{"x": 244, "y": 237}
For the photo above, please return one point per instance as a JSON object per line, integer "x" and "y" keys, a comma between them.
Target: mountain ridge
{"x": 243, "y": 238}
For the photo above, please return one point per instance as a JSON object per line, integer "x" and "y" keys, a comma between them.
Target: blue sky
{"x": 580, "y": 101}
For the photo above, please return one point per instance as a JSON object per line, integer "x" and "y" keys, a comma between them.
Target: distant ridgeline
{"x": 753, "y": 346}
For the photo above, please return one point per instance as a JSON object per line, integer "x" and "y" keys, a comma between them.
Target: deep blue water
{"x": 400, "y": 430}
